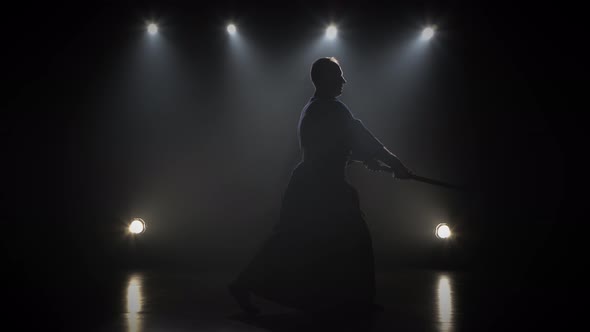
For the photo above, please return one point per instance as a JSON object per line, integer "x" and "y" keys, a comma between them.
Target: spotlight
{"x": 427, "y": 33}
{"x": 442, "y": 231}
{"x": 231, "y": 29}
{"x": 137, "y": 226}
{"x": 152, "y": 29}
{"x": 331, "y": 32}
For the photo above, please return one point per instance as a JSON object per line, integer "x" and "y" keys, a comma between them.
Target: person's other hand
{"x": 403, "y": 172}
{"x": 374, "y": 165}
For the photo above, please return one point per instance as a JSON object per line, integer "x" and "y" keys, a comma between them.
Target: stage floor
{"x": 413, "y": 300}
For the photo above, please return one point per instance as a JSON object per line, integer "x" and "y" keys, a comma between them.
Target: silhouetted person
{"x": 320, "y": 256}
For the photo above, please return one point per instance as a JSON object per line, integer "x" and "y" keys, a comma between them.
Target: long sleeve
{"x": 328, "y": 131}
{"x": 324, "y": 131}
{"x": 364, "y": 144}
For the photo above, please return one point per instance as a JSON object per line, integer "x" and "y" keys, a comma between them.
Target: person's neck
{"x": 323, "y": 94}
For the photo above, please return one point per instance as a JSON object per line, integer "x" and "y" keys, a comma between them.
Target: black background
{"x": 521, "y": 69}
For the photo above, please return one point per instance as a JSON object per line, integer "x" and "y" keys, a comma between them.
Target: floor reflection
{"x": 414, "y": 300}
{"x": 134, "y": 300}
{"x": 445, "y": 304}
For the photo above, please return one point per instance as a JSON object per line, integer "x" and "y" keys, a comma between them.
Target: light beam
{"x": 152, "y": 29}
{"x": 231, "y": 29}
{"x": 442, "y": 231}
{"x": 331, "y": 32}
{"x": 137, "y": 226}
{"x": 427, "y": 33}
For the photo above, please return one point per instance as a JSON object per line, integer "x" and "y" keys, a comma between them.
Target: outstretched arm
{"x": 399, "y": 169}
{"x": 368, "y": 149}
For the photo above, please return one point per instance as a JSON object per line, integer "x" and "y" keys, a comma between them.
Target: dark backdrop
{"x": 195, "y": 133}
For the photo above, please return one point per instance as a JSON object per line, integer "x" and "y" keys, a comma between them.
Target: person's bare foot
{"x": 242, "y": 297}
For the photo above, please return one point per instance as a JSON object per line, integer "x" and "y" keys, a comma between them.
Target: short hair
{"x": 322, "y": 68}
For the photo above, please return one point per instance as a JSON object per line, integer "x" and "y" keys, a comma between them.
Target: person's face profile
{"x": 341, "y": 81}
{"x": 336, "y": 80}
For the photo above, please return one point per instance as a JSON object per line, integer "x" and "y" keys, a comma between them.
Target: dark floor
{"x": 414, "y": 300}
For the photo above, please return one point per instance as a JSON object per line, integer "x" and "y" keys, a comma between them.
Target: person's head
{"x": 327, "y": 77}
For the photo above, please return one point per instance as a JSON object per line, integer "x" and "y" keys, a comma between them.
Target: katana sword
{"x": 423, "y": 179}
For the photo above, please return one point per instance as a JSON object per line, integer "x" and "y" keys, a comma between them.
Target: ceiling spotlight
{"x": 231, "y": 29}
{"x": 331, "y": 32}
{"x": 427, "y": 33}
{"x": 442, "y": 231}
{"x": 152, "y": 29}
{"x": 137, "y": 226}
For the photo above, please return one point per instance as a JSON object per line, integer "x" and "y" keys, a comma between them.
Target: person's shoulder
{"x": 340, "y": 104}
{"x": 331, "y": 103}
{"x": 331, "y": 107}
